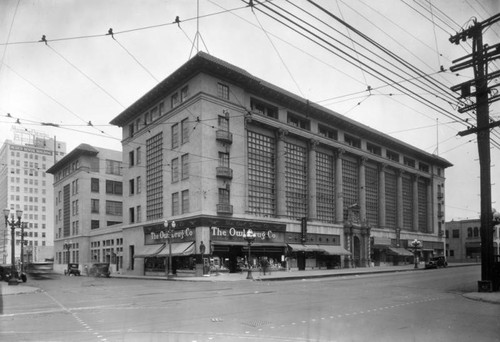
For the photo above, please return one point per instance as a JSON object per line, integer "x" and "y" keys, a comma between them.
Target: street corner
{"x": 489, "y": 297}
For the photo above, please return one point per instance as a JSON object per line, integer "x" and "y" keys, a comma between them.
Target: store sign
{"x": 218, "y": 233}
{"x": 160, "y": 234}
{"x": 30, "y": 150}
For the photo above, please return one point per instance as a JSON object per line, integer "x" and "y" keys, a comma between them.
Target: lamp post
{"x": 170, "y": 227}
{"x": 416, "y": 245}
{"x": 249, "y": 237}
{"x": 13, "y": 224}
{"x": 67, "y": 247}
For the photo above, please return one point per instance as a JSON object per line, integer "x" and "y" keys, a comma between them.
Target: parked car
{"x": 436, "y": 262}
{"x": 100, "y": 270}
{"x": 72, "y": 270}
{"x": 6, "y": 274}
{"x": 40, "y": 270}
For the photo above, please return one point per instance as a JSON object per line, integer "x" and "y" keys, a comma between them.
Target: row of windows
{"x": 29, "y": 181}
{"x": 31, "y": 165}
{"x": 184, "y": 168}
{"x": 27, "y": 172}
{"x": 27, "y": 155}
{"x": 471, "y": 233}
{"x": 182, "y": 206}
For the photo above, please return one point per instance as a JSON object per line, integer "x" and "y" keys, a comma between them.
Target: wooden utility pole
{"x": 478, "y": 60}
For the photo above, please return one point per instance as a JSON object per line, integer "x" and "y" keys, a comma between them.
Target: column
{"x": 362, "y": 189}
{"x": 415, "y": 203}
{"x": 312, "y": 181}
{"x": 339, "y": 198}
{"x": 381, "y": 195}
{"x": 280, "y": 173}
{"x": 430, "y": 214}
{"x": 399, "y": 203}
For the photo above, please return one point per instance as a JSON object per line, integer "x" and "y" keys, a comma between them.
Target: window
{"x": 138, "y": 213}
{"x": 113, "y": 167}
{"x": 392, "y": 156}
{"x": 455, "y": 233}
{"x": 175, "y": 170}
{"x": 114, "y": 187}
{"x": 223, "y": 159}
{"x": 131, "y": 128}
{"x": 476, "y": 232}
{"x": 94, "y": 206}
{"x": 352, "y": 141}
{"x": 154, "y": 177}
{"x": 131, "y": 215}
{"x": 174, "y": 100}
{"x": 423, "y": 167}
{"x": 114, "y": 208}
{"x": 223, "y": 91}
{"x": 224, "y": 196}
{"x": 409, "y": 162}
{"x": 138, "y": 156}
{"x": 327, "y": 132}
{"x": 185, "y": 166}
{"x": 223, "y": 122}
{"x": 94, "y": 184}
{"x": 175, "y": 203}
{"x": 298, "y": 121}
{"x": 185, "y": 201}
{"x": 469, "y": 232}
{"x": 94, "y": 224}
{"x": 175, "y": 136}
{"x": 264, "y": 108}
{"x": 184, "y": 94}
{"x": 131, "y": 160}
{"x": 74, "y": 186}
{"x": 374, "y": 149}
{"x": 131, "y": 186}
{"x": 184, "y": 131}
{"x": 138, "y": 184}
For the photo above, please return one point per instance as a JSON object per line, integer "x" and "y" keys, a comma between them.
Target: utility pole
{"x": 478, "y": 60}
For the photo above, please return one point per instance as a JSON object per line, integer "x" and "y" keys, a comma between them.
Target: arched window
{"x": 469, "y": 232}
{"x": 476, "y": 232}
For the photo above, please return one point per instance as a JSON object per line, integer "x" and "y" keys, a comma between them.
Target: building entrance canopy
{"x": 327, "y": 249}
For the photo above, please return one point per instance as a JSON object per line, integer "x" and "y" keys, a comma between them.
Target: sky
{"x": 80, "y": 77}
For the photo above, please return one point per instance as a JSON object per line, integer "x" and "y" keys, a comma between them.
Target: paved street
{"x": 419, "y": 306}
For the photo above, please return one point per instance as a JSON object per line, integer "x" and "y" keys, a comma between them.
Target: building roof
{"x": 203, "y": 62}
{"x": 80, "y": 150}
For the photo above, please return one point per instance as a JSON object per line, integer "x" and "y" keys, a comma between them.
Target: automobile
{"x": 100, "y": 269}
{"x": 40, "y": 270}
{"x": 436, "y": 262}
{"x": 6, "y": 274}
{"x": 72, "y": 270}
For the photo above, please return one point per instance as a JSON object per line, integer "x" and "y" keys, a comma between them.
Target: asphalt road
{"x": 407, "y": 306}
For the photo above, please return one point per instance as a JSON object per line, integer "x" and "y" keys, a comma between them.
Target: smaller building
{"x": 463, "y": 240}
{"x": 88, "y": 208}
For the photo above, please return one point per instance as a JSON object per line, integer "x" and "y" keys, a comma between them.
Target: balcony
{"x": 224, "y": 172}
{"x": 224, "y": 209}
{"x": 440, "y": 194}
{"x": 224, "y": 136}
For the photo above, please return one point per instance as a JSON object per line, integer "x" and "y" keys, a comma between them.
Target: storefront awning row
{"x": 178, "y": 249}
{"x": 327, "y": 249}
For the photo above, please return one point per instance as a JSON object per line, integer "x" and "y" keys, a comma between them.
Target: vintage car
{"x": 100, "y": 270}
{"x": 6, "y": 274}
{"x": 72, "y": 270}
{"x": 40, "y": 270}
{"x": 436, "y": 262}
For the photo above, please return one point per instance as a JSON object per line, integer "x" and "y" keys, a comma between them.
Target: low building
{"x": 88, "y": 207}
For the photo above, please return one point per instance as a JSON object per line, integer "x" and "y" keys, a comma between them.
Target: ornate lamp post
{"x": 67, "y": 247}
{"x": 249, "y": 237}
{"x": 170, "y": 227}
{"x": 416, "y": 245}
{"x": 13, "y": 224}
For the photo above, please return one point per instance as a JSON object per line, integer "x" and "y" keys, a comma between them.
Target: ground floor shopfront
{"x": 208, "y": 244}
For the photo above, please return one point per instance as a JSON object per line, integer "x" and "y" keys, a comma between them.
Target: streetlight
{"x": 249, "y": 237}
{"x": 416, "y": 245}
{"x": 13, "y": 224}
{"x": 169, "y": 227}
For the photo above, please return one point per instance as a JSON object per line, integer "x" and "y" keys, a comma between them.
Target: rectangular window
{"x": 407, "y": 202}
{"x": 175, "y": 136}
{"x": 184, "y": 131}
{"x": 352, "y": 141}
{"x": 113, "y": 167}
{"x": 174, "y": 100}
{"x": 374, "y": 149}
{"x": 185, "y": 201}
{"x": 298, "y": 121}
{"x": 263, "y": 108}
{"x": 422, "y": 205}
{"x": 138, "y": 184}
{"x": 423, "y": 167}
{"x": 223, "y": 159}
{"x": 223, "y": 91}
{"x": 175, "y": 170}
{"x": 114, "y": 187}
{"x": 455, "y": 233}
{"x": 350, "y": 182}
{"x": 409, "y": 162}
{"x": 185, "y": 166}
{"x": 327, "y": 132}
{"x": 138, "y": 156}
{"x": 296, "y": 180}
{"x": 224, "y": 196}
{"x": 184, "y": 94}
{"x": 138, "y": 213}
{"x": 131, "y": 215}
{"x": 392, "y": 156}
{"x": 261, "y": 174}
{"x": 94, "y": 184}
{"x": 131, "y": 186}
{"x": 372, "y": 194}
{"x": 175, "y": 203}
{"x": 325, "y": 186}
{"x": 94, "y": 224}
{"x": 223, "y": 122}
{"x": 131, "y": 160}
{"x": 94, "y": 206}
{"x": 114, "y": 208}
{"x": 154, "y": 177}
{"x": 131, "y": 130}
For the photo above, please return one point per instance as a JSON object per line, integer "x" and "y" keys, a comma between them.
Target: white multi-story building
{"x": 25, "y": 185}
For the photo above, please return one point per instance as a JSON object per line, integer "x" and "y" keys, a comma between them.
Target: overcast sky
{"x": 84, "y": 75}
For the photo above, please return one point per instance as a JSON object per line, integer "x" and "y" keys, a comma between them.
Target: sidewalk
{"x": 491, "y": 297}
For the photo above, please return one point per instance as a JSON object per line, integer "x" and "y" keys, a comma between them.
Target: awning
{"x": 328, "y": 249}
{"x": 399, "y": 251}
{"x": 178, "y": 249}
{"x": 245, "y": 244}
{"x": 149, "y": 251}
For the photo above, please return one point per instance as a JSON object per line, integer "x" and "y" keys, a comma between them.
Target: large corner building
{"x": 220, "y": 152}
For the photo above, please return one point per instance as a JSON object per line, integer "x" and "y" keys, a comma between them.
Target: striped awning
{"x": 149, "y": 251}
{"x": 178, "y": 249}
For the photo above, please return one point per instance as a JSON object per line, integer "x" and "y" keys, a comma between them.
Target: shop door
{"x": 301, "y": 261}
{"x": 357, "y": 251}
